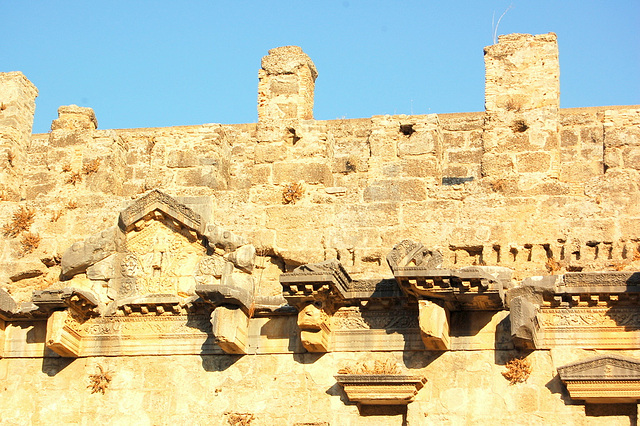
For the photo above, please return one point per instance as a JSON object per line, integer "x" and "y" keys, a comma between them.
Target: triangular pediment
{"x": 604, "y": 367}
{"x": 160, "y": 202}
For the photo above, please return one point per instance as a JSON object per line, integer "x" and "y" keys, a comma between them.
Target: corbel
{"x": 233, "y": 302}
{"x": 62, "y": 337}
{"x": 315, "y": 290}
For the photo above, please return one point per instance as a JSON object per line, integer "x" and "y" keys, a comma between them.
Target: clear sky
{"x": 166, "y": 63}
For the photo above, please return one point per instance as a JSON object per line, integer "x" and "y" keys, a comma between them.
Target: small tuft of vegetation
{"x": 553, "y": 265}
{"x": 519, "y": 126}
{"x": 292, "y": 193}
{"x": 29, "y": 242}
{"x": 99, "y": 382}
{"x": 518, "y": 370}
{"x": 56, "y": 215}
{"x": 239, "y": 419}
{"x": 22, "y": 220}
{"x": 91, "y": 167}
{"x": 71, "y": 205}
{"x": 74, "y": 178}
{"x": 66, "y": 168}
{"x": 11, "y": 158}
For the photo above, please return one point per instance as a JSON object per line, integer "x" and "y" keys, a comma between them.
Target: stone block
{"x": 395, "y": 190}
{"x": 80, "y": 255}
{"x": 496, "y": 164}
{"x": 369, "y": 215}
{"x": 299, "y": 217}
{"x": 536, "y": 162}
{"x": 424, "y": 166}
{"x": 270, "y": 152}
{"x": 181, "y": 158}
{"x": 309, "y": 172}
{"x": 72, "y": 117}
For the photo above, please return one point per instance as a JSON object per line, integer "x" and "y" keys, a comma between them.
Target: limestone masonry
{"x": 470, "y": 268}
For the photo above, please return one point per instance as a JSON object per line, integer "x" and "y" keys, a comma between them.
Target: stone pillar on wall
{"x": 285, "y": 91}
{"x": 522, "y": 101}
{"x": 17, "y": 106}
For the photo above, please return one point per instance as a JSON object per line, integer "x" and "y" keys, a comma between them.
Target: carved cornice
{"x": 380, "y": 389}
{"x": 598, "y": 309}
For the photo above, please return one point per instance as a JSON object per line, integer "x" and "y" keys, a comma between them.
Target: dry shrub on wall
{"x": 29, "y": 242}
{"x": 378, "y": 367}
{"x": 239, "y": 419}
{"x": 74, "y": 178}
{"x": 22, "y": 220}
{"x": 99, "y": 382}
{"x": 518, "y": 370}
{"x": 292, "y": 193}
{"x": 91, "y": 167}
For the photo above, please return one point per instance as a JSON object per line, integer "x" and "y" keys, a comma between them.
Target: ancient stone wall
{"x": 523, "y": 185}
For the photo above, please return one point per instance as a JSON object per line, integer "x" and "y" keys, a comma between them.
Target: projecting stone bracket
{"x": 315, "y": 289}
{"x": 230, "y": 326}
{"x": 61, "y": 337}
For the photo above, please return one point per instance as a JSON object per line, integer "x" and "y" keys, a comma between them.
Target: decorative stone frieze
{"x": 603, "y": 379}
{"x": 596, "y": 310}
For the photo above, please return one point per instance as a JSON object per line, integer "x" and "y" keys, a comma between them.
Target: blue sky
{"x": 166, "y": 63}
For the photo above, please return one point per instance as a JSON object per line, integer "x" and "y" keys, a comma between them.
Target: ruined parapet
{"x": 17, "y": 106}
{"x": 522, "y": 101}
{"x": 285, "y": 91}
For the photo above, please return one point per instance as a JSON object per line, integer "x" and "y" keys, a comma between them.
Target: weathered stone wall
{"x": 525, "y": 185}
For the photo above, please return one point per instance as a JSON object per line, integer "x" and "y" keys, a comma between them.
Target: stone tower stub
{"x": 285, "y": 89}
{"x": 522, "y": 72}
{"x": 522, "y": 102}
{"x": 17, "y": 106}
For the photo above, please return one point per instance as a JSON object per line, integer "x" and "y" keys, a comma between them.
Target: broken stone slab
{"x": 226, "y": 294}
{"x": 227, "y": 240}
{"x": 77, "y": 258}
{"x": 412, "y": 253}
{"x": 523, "y": 328}
{"x": 8, "y": 306}
{"x": 244, "y": 257}
{"x": 84, "y": 302}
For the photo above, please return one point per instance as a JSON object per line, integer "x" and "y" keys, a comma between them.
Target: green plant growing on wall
{"x": 99, "y": 382}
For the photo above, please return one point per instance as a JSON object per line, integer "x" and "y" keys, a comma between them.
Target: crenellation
{"x": 243, "y": 249}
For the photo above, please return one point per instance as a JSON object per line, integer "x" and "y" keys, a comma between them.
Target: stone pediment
{"x": 161, "y": 202}
{"x": 603, "y": 379}
{"x": 604, "y": 367}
